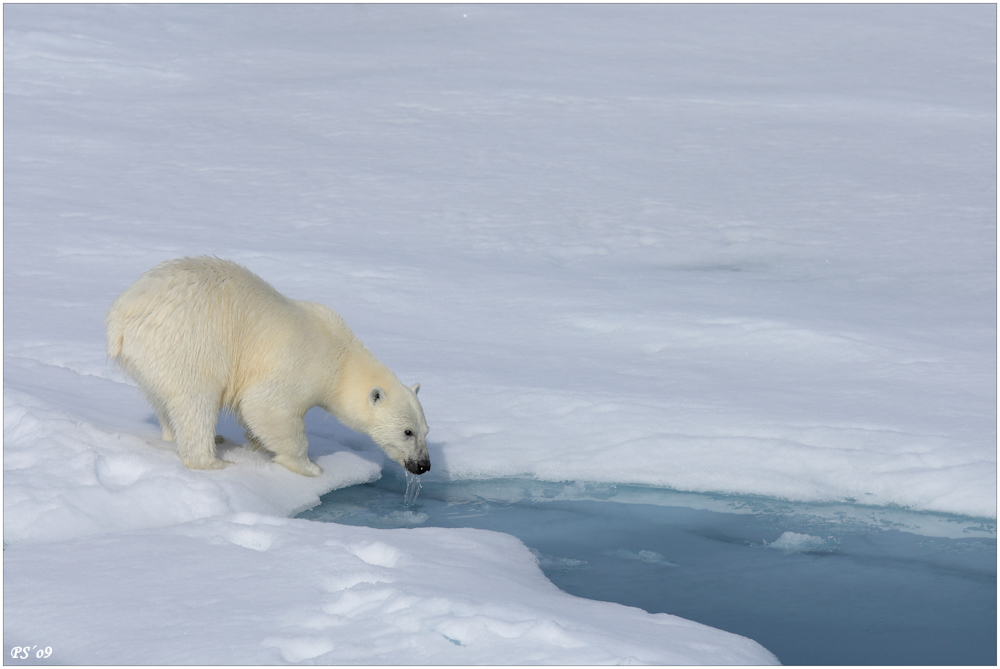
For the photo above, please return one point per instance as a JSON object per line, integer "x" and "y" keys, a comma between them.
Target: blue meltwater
{"x": 832, "y": 583}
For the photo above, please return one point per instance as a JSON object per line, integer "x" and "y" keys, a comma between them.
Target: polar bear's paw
{"x": 299, "y": 466}
{"x": 213, "y": 463}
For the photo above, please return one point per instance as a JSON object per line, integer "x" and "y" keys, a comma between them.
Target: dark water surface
{"x": 814, "y": 584}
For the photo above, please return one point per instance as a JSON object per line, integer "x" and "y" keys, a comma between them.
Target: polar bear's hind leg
{"x": 194, "y": 419}
{"x": 161, "y": 415}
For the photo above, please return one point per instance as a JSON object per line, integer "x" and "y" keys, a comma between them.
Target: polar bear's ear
{"x": 415, "y": 388}
{"x": 376, "y": 396}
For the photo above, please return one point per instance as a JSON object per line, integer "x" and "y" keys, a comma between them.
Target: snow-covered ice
{"x": 738, "y": 249}
{"x": 276, "y": 590}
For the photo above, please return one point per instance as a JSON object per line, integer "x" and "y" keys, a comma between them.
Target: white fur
{"x": 203, "y": 334}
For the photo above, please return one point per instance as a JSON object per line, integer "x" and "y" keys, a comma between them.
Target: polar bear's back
{"x": 191, "y": 313}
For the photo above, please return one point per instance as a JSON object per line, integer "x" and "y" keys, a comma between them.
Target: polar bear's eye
{"x": 408, "y": 433}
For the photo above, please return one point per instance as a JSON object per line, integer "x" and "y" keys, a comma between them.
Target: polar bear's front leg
{"x": 281, "y": 432}
{"x": 303, "y": 466}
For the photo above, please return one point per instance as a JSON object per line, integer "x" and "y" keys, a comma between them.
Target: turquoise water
{"x": 814, "y": 584}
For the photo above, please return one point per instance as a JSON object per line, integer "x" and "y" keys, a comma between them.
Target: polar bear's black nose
{"x": 418, "y": 466}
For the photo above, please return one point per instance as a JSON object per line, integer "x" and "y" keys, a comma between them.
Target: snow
{"x": 288, "y": 591}
{"x": 719, "y": 248}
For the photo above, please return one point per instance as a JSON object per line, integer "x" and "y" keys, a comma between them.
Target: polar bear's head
{"x": 399, "y": 427}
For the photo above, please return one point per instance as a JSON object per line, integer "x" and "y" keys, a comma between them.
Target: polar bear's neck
{"x": 358, "y": 373}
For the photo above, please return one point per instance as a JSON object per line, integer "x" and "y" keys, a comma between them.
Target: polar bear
{"x": 203, "y": 334}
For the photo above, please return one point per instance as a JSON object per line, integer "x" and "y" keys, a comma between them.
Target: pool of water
{"x": 814, "y": 584}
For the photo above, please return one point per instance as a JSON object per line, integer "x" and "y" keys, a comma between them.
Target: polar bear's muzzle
{"x": 418, "y": 466}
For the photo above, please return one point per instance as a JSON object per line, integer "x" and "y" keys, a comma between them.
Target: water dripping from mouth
{"x": 412, "y": 489}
